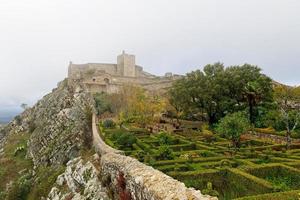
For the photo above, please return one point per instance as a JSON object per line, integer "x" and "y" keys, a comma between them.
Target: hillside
{"x": 37, "y": 144}
{"x": 47, "y": 152}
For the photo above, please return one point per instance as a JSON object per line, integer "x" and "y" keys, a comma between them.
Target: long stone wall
{"x": 127, "y": 177}
{"x": 100, "y": 146}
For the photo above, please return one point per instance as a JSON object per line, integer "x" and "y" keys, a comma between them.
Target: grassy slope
{"x": 11, "y": 164}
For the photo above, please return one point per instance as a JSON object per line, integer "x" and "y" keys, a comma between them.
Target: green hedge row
{"x": 282, "y": 177}
{"x": 230, "y": 183}
{"x": 291, "y": 195}
{"x": 195, "y": 160}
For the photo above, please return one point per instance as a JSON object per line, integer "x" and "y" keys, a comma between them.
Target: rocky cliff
{"x": 47, "y": 153}
{"x": 59, "y": 125}
{"x": 55, "y": 130}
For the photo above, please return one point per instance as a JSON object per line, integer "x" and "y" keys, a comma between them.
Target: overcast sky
{"x": 38, "y": 38}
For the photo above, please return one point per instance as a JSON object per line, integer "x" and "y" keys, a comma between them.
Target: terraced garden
{"x": 259, "y": 169}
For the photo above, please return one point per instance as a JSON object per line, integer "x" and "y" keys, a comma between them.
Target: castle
{"x": 109, "y": 78}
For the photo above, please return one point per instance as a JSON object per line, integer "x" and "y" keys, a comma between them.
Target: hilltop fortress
{"x": 104, "y": 77}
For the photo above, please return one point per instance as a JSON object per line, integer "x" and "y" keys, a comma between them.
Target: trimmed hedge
{"x": 195, "y": 160}
{"x": 291, "y": 195}
{"x": 230, "y": 183}
{"x": 278, "y": 171}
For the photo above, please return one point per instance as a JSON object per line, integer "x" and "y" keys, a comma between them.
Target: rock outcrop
{"x": 80, "y": 181}
{"x": 61, "y": 124}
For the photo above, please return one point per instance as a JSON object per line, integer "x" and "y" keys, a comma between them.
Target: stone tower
{"x": 126, "y": 65}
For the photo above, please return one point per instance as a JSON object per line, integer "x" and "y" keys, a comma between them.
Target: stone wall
{"x": 100, "y": 147}
{"x": 127, "y": 176}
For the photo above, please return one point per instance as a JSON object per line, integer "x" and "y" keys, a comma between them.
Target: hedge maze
{"x": 258, "y": 170}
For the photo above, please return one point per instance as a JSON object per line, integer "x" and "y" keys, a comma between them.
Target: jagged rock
{"x": 61, "y": 126}
{"x": 82, "y": 183}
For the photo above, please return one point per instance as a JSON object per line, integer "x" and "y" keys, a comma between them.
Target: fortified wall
{"x": 142, "y": 181}
{"x": 110, "y": 78}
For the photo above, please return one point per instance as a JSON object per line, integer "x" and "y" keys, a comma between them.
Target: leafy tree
{"x": 177, "y": 97}
{"x": 102, "y": 103}
{"x": 139, "y": 106}
{"x": 249, "y": 88}
{"x": 233, "y": 126}
{"x": 288, "y": 100}
{"x": 217, "y": 90}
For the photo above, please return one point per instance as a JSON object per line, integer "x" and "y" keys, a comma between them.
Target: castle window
{"x": 94, "y": 79}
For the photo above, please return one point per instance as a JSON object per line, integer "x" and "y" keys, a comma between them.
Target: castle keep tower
{"x": 126, "y": 65}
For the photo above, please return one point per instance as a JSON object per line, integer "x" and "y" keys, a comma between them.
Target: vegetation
{"x": 12, "y": 162}
{"x": 233, "y": 126}
{"x": 217, "y": 90}
{"x": 216, "y": 108}
{"x": 288, "y": 100}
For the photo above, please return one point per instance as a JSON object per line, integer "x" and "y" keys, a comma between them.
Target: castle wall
{"x": 103, "y": 77}
{"x": 142, "y": 182}
{"x": 126, "y": 65}
{"x": 91, "y": 69}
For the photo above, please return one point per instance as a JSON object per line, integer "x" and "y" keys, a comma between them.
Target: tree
{"x": 233, "y": 126}
{"x": 217, "y": 91}
{"x": 288, "y": 101}
{"x": 201, "y": 91}
{"x": 103, "y": 103}
{"x": 24, "y": 106}
{"x": 177, "y": 98}
{"x": 139, "y": 106}
{"x": 249, "y": 88}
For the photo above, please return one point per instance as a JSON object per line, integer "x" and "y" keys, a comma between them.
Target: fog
{"x": 38, "y": 38}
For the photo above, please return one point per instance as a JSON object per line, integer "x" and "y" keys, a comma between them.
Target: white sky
{"x": 39, "y": 37}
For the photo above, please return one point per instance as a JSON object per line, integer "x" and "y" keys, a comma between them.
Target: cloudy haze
{"x": 38, "y": 38}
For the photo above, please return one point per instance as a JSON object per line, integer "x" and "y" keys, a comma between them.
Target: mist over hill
{"x": 8, "y": 113}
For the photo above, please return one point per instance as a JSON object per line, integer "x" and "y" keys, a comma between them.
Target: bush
{"x": 19, "y": 150}
{"x": 210, "y": 191}
{"x": 109, "y": 123}
{"x": 20, "y": 188}
{"x": 47, "y": 177}
{"x": 164, "y": 153}
{"x": 164, "y": 138}
{"x": 126, "y": 140}
{"x": 140, "y": 155}
{"x": 208, "y": 136}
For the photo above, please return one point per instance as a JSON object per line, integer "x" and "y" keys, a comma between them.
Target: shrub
{"x": 210, "y": 191}
{"x": 47, "y": 177}
{"x": 20, "y": 188}
{"x": 124, "y": 194}
{"x": 164, "y": 138}
{"x": 19, "y": 150}
{"x": 164, "y": 153}
{"x": 126, "y": 140}
{"x": 18, "y": 120}
{"x": 109, "y": 123}
{"x": 140, "y": 155}
{"x": 208, "y": 136}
